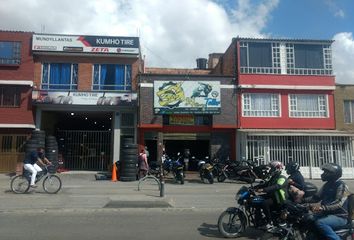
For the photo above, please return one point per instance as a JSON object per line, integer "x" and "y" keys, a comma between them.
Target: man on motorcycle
{"x": 296, "y": 181}
{"x": 328, "y": 210}
{"x": 275, "y": 189}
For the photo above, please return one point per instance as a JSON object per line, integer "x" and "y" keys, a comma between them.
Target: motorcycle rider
{"x": 328, "y": 211}
{"x": 275, "y": 190}
{"x": 296, "y": 181}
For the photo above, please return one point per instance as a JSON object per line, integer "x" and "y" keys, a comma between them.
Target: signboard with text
{"x": 85, "y": 44}
{"x": 186, "y": 97}
{"x": 84, "y": 98}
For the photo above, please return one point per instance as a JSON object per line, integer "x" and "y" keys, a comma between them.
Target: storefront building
{"x": 16, "y": 81}
{"x": 286, "y": 103}
{"x": 189, "y": 109}
{"x": 85, "y": 95}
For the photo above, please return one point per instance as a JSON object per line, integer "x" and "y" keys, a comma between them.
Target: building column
{"x": 38, "y": 118}
{"x": 116, "y": 136}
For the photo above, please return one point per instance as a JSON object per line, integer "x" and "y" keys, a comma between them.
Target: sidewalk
{"x": 80, "y": 190}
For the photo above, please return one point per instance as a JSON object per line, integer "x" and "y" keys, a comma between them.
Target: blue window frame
{"x": 59, "y": 76}
{"x": 112, "y": 77}
{"x": 10, "y": 53}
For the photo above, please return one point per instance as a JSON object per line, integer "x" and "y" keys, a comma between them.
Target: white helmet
{"x": 275, "y": 167}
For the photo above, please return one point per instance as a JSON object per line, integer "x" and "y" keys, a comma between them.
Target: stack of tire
{"x": 128, "y": 160}
{"x": 37, "y": 140}
{"x": 51, "y": 150}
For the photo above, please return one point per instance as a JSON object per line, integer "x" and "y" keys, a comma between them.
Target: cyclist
{"x": 30, "y": 164}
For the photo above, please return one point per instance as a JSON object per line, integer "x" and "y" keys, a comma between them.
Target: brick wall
{"x": 25, "y": 70}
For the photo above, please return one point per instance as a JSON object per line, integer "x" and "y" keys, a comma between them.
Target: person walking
{"x": 143, "y": 164}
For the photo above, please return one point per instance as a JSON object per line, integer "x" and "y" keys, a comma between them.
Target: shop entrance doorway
{"x": 198, "y": 149}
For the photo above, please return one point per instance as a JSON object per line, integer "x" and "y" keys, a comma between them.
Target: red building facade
{"x": 286, "y": 102}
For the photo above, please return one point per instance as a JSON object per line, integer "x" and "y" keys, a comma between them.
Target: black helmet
{"x": 331, "y": 172}
{"x": 292, "y": 167}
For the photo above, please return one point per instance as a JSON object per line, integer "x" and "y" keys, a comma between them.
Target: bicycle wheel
{"x": 20, "y": 184}
{"x": 51, "y": 184}
{"x": 231, "y": 224}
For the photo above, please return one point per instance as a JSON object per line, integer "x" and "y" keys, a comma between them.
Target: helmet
{"x": 275, "y": 168}
{"x": 331, "y": 172}
{"x": 292, "y": 167}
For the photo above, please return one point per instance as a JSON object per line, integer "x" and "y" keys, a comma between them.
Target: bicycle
{"x": 51, "y": 182}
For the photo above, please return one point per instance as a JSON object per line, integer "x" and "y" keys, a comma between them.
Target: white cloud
{"x": 173, "y": 33}
{"x": 343, "y": 57}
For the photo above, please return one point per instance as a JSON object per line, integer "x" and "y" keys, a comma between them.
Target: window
{"x": 112, "y": 77}
{"x": 260, "y": 105}
{"x": 348, "y": 111}
{"x": 309, "y": 59}
{"x": 10, "y": 96}
{"x": 260, "y": 57}
{"x": 307, "y": 105}
{"x": 10, "y": 53}
{"x": 59, "y": 76}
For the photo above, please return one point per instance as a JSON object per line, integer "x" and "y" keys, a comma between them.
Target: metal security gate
{"x": 85, "y": 150}
{"x": 11, "y": 151}
{"x": 311, "y": 152}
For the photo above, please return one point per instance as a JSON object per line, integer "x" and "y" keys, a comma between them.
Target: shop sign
{"x": 186, "y": 97}
{"x": 84, "y": 98}
{"x": 181, "y": 119}
{"x": 85, "y": 44}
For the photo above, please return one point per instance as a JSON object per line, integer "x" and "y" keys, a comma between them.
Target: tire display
{"x": 128, "y": 160}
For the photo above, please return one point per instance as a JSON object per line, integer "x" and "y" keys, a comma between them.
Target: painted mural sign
{"x": 86, "y": 44}
{"x": 186, "y": 97}
{"x": 84, "y": 98}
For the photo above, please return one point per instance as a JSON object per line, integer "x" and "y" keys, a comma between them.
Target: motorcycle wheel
{"x": 210, "y": 178}
{"x": 221, "y": 178}
{"x": 231, "y": 224}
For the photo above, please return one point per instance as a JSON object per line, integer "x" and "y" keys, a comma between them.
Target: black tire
{"x": 20, "y": 184}
{"x": 210, "y": 178}
{"x": 231, "y": 224}
{"x": 51, "y": 184}
{"x": 221, "y": 177}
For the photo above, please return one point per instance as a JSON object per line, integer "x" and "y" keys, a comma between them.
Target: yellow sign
{"x": 181, "y": 119}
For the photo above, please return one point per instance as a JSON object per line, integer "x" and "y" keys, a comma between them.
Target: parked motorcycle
{"x": 206, "y": 170}
{"x": 238, "y": 170}
{"x": 175, "y": 167}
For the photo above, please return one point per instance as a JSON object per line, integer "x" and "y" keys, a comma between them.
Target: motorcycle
{"x": 299, "y": 224}
{"x": 249, "y": 212}
{"x": 175, "y": 167}
{"x": 243, "y": 171}
{"x": 206, "y": 170}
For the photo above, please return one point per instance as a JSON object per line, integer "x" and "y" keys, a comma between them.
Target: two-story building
{"x": 85, "y": 95}
{"x": 286, "y": 103}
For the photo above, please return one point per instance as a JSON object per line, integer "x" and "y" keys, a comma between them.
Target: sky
{"x": 174, "y": 33}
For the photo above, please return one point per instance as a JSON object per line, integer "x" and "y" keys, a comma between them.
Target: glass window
{"x": 308, "y": 105}
{"x": 10, "y": 53}
{"x": 260, "y": 54}
{"x": 308, "y": 56}
{"x": 260, "y": 105}
{"x": 10, "y": 96}
{"x": 348, "y": 111}
{"x": 59, "y": 76}
{"x": 112, "y": 77}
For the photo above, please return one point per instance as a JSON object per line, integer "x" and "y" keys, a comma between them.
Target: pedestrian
{"x": 143, "y": 164}
{"x": 30, "y": 164}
